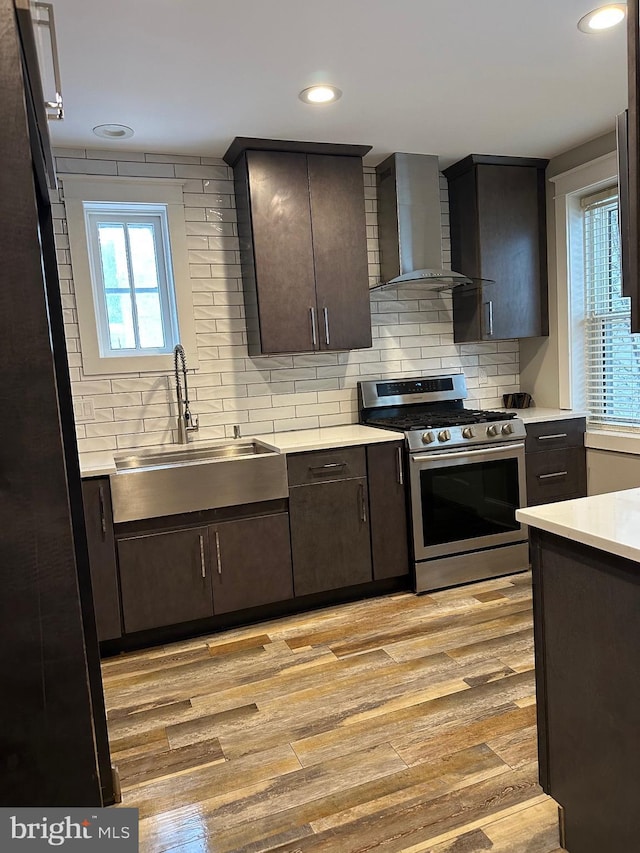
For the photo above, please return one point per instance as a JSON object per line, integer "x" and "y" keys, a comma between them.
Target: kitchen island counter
{"x": 586, "y": 591}
{"x": 610, "y": 522}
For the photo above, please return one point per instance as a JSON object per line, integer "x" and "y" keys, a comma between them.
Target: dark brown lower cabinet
{"x": 556, "y": 461}
{"x": 165, "y": 578}
{"x": 587, "y": 636}
{"x": 330, "y": 535}
{"x": 252, "y": 562}
{"x": 388, "y": 508}
{"x": 98, "y": 517}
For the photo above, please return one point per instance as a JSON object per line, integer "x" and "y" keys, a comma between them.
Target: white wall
{"x": 610, "y": 472}
{"x": 412, "y": 331}
{"x": 539, "y": 357}
{"x": 614, "y": 463}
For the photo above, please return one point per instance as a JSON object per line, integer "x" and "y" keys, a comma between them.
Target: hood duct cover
{"x": 410, "y": 223}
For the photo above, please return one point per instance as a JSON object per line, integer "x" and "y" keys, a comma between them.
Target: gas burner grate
{"x": 435, "y": 420}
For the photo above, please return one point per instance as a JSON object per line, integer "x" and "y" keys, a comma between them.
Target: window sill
{"x": 613, "y": 440}
{"x": 135, "y": 364}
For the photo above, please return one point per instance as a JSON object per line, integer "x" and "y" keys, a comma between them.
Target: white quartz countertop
{"x": 325, "y": 438}
{"x": 534, "y": 414}
{"x": 101, "y": 463}
{"x": 609, "y": 522}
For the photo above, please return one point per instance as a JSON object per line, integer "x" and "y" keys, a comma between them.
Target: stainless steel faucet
{"x": 186, "y": 421}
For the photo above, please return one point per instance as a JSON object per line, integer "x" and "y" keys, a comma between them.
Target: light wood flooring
{"x": 401, "y": 724}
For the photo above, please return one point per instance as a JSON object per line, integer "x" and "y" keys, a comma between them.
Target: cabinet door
{"x": 165, "y": 578}
{"x": 251, "y": 561}
{"x": 338, "y": 223}
{"x": 282, "y": 251}
{"x": 98, "y": 518}
{"x": 511, "y": 240}
{"x": 330, "y": 541}
{"x": 388, "y": 508}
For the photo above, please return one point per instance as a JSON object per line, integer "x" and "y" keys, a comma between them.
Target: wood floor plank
{"x": 165, "y": 795}
{"x": 402, "y": 724}
{"x": 534, "y": 830}
{"x": 463, "y": 735}
{"x": 453, "y": 834}
{"x": 280, "y": 794}
{"x": 395, "y": 829}
{"x": 239, "y": 645}
{"x": 495, "y": 647}
{"x": 456, "y": 635}
{"x": 516, "y": 748}
{"x": 142, "y": 769}
{"x": 210, "y": 725}
{"x": 419, "y": 720}
{"x": 355, "y": 810}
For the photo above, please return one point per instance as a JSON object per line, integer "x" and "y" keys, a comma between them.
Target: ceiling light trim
{"x": 114, "y": 132}
{"x": 322, "y": 93}
{"x": 603, "y": 18}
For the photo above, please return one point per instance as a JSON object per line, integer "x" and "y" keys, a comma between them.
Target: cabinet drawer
{"x": 324, "y": 465}
{"x": 557, "y": 475}
{"x": 555, "y": 435}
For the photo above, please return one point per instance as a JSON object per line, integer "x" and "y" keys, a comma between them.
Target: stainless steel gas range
{"x": 466, "y": 478}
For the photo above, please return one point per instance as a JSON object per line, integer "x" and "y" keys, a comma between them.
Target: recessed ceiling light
{"x": 602, "y": 18}
{"x": 320, "y": 94}
{"x": 113, "y": 131}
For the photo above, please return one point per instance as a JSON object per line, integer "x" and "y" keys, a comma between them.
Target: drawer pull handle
{"x": 363, "y": 505}
{"x": 329, "y": 466}
{"x": 314, "y": 328}
{"x": 218, "y": 557}
{"x": 400, "y": 470}
{"x": 550, "y": 437}
{"x": 203, "y": 565}
{"x": 551, "y": 476}
{"x": 103, "y": 517}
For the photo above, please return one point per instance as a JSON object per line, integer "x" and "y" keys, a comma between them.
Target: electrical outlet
{"x": 83, "y": 410}
{"x": 483, "y": 379}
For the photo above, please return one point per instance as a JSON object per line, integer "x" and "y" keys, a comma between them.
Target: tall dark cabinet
{"x": 303, "y": 247}
{"x": 498, "y": 236}
{"x": 628, "y": 127}
{"x": 53, "y": 746}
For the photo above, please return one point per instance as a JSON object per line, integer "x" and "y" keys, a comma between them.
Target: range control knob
{"x": 507, "y": 429}
{"x": 492, "y": 430}
{"x": 468, "y": 432}
{"x": 427, "y": 437}
{"x": 444, "y": 435}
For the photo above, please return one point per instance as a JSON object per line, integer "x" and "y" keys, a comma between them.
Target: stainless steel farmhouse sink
{"x": 161, "y": 482}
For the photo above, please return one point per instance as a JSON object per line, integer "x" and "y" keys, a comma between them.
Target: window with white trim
{"x": 612, "y": 353}
{"x": 127, "y": 239}
{"x": 132, "y": 278}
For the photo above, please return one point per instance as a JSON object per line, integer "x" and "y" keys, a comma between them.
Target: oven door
{"x": 466, "y": 500}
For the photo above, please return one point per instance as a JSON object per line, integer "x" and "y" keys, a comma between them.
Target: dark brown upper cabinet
{"x": 498, "y": 236}
{"x": 303, "y": 246}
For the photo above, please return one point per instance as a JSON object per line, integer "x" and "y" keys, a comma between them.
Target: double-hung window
{"x": 132, "y": 278}
{"x": 131, "y": 281}
{"x": 612, "y": 353}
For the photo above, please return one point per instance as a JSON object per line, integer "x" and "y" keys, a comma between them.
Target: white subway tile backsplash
{"x": 412, "y": 331}
{"x": 146, "y": 170}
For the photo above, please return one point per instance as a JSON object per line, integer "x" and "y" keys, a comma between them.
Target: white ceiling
{"x": 441, "y": 77}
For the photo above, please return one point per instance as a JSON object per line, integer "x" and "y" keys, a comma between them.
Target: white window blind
{"x": 612, "y": 357}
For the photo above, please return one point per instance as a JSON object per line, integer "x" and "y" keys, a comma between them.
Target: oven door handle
{"x": 485, "y": 451}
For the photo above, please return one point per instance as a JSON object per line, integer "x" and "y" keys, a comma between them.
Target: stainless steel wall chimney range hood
{"x": 409, "y": 223}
